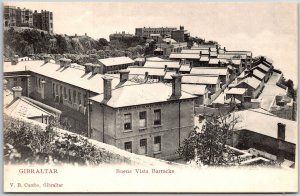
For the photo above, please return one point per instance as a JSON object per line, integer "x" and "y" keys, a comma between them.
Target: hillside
{"x": 25, "y": 42}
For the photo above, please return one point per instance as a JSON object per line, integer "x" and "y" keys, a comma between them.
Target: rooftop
{"x": 185, "y": 68}
{"x": 268, "y": 126}
{"x": 24, "y": 108}
{"x": 139, "y": 94}
{"x": 236, "y": 91}
{"x": 161, "y": 64}
{"x": 204, "y": 58}
{"x": 188, "y": 79}
{"x": 209, "y": 71}
{"x": 258, "y": 73}
{"x": 116, "y": 61}
{"x": 251, "y": 81}
{"x": 184, "y": 56}
{"x": 136, "y": 70}
{"x": 194, "y": 89}
{"x": 73, "y": 76}
{"x": 169, "y": 74}
{"x": 215, "y": 61}
{"x": 264, "y": 67}
{"x": 232, "y": 56}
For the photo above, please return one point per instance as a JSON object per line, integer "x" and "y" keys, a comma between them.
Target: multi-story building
{"x": 9, "y": 18}
{"x": 129, "y": 115}
{"x": 180, "y": 35}
{"x": 116, "y": 36}
{"x": 17, "y": 17}
{"x": 47, "y": 21}
{"x": 138, "y": 119}
{"x": 146, "y": 32}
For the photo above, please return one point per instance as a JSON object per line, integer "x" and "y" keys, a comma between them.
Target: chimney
{"x": 95, "y": 68}
{"x": 146, "y": 75}
{"x": 15, "y": 60}
{"x": 219, "y": 63}
{"x": 47, "y": 59}
{"x": 281, "y": 131}
{"x": 124, "y": 75}
{"x": 176, "y": 85}
{"x": 17, "y": 92}
{"x": 224, "y": 48}
{"x": 166, "y": 67}
{"x": 107, "y": 88}
{"x": 88, "y": 67}
{"x": 85, "y": 34}
{"x": 200, "y": 53}
{"x": 65, "y": 62}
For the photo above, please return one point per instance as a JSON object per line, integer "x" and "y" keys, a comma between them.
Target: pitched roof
{"x": 188, "y": 79}
{"x": 161, "y": 64}
{"x": 135, "y": 70}
{"x": 24, "y": 108}
{"x": 215, "y": 61}
{"x": 236, "y": 91}
{"x": 154, "y": 59}
{"x": 194, "y": 89}
{"x": 184, "y": 56}
{"x": 204, "y": 58}
{"x": 264, "y": 67}
{"x": 232, "y": 56}
{"x": 116, "y": 61}
{"x": 73, "y": 76}
{"x": 213, "y": 54}
{"x": 268, "y": 126}
{"x": 209, "y": 71}
{"x": 139, "y": 94}
{"x": 248, "y": 53}
{"x": 185, "y": 68}
{"x": 258, "y": 73}
{"x": 187, "y": 51}
{"x": 169, "y": 74}
{"x": 251, "y": 81}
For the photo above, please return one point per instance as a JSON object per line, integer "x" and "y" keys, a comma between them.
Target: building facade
{"x": 146, "y": 32}
{"x": 151, "y": 125}
{"x": 17, "y": 17}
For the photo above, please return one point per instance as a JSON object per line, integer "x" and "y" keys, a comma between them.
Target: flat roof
{"x": 188, "y": 79}
{"x": 209, "y": 71}
{"x": 184, "y": 56}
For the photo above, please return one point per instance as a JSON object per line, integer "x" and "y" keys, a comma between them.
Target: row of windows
{"x": 142, "y": 119}
{"x": 69, "y": 94}
{"x": 143, "y": 145}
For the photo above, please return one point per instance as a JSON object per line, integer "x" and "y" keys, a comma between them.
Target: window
{"x": 143, "y": 119}
{"x": 127, "y": 122}
{"x": 157, "y": 144}
{"x": 143, "y": 146}
{"x": 84, "y": 99}
{"x": 53, "y": 90}
{"x": 157, "y": 117}
{"x": 39, "y": 82}
{"x": 74, "y": 96}
{"x": 79, "y": 98}
{"x": 128, "y": 146}
{"x": 65, "y": 93}
{"x": 70, "y": 95}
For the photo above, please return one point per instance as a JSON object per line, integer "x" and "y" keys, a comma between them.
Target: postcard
{"x": 150, "y": 97}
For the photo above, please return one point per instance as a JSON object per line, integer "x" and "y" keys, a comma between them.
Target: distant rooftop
{"x": 116, "y": 61}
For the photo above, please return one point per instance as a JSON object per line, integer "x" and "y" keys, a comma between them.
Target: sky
{"x": 269, "y": 29}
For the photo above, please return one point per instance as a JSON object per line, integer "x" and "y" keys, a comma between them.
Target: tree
{"x": 291, "y": 91}
{"x": 208, "y": 146}
{"x": 101, "y": 43}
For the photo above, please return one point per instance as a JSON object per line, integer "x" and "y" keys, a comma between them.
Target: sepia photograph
{"x": 150, "y": 97}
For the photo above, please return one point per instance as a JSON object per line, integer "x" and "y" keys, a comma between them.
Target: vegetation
{"x": 292, "y": 92}
{"x": 28, "y": 143}
{"x": 208, "y": 146}
{"x": 31, "y": 41}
